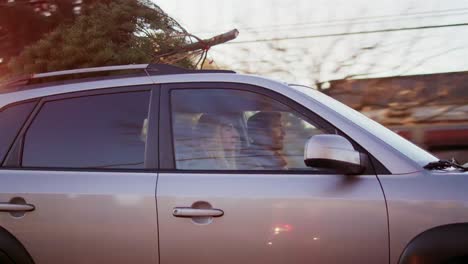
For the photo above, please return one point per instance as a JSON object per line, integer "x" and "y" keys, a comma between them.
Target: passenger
{"x": 219, "y": 142}
{"x": 266, "y": 135}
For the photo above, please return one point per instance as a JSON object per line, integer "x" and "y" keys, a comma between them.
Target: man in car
{"x": 266, "y": 135}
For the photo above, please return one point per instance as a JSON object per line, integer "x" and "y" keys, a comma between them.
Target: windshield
{"x": 394, "y": 140}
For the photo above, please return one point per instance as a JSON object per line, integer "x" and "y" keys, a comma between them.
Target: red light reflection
{"x": 282, "y": 228}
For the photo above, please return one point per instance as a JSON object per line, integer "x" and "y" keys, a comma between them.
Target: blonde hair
{"x": 208, "y": 130}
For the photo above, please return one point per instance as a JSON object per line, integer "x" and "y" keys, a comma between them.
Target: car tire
{"x": 457, "y": 260}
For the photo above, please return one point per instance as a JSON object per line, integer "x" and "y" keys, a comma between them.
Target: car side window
{"x": 98, "y": 131}
{"x": 225, "y": 129}
{"x": 11, "y": 120}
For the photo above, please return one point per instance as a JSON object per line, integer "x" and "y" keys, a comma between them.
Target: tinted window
{"x": 216, "y": 129}
{"x": 101, "y": 131}
{"x": 11, "y": 120}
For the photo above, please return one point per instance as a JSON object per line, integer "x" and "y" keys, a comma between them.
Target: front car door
{"x": 234, "y": 188}
{"x": 84, "y": 161}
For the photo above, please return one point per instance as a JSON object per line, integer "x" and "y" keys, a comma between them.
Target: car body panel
{"x": 421, "y": 201}
{"x": 273, "y": 218}
{"x": 83, "y": 217}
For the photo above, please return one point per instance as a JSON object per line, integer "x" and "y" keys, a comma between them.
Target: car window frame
{"x": 167, "y": 152}
{"x": 15, "y": 104}
{"x": 14, "y": 157}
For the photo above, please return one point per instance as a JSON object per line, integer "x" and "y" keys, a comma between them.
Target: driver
{"x": 266, "y": 134}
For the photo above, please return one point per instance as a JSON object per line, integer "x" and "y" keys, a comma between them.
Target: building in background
{"x": 430, "y": 110}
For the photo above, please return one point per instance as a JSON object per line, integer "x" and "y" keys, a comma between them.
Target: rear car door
{"x": 85, "y": 162}
{"x": 255, "y": 203}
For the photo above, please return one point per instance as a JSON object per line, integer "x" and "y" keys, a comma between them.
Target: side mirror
{"x": 334, "y": 152}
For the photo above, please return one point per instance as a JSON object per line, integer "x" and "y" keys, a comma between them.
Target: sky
{"x": 307, "y": 58}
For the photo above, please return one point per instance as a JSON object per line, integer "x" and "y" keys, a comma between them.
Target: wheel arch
{"x": 13, "y": 248}
{"x": 438, "y": 245}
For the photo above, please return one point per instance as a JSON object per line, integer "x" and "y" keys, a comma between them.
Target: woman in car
{"x": 218, "y": 143}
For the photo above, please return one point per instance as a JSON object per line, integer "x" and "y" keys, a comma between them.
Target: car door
{"x": 86, "y": 163}
{"x": 257, "y": 203}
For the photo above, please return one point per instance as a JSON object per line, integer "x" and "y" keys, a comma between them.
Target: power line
{"x": 306, "y": 26}
{"x": 371, "y": 18}
{"x": 436, "y": 13}
{"x": 348, "y": 33}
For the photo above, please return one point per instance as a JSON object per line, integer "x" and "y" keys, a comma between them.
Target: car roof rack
{"x": 149, "y": 69}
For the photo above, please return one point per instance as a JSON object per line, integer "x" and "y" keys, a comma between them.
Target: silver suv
{"x": 167, "y": 165}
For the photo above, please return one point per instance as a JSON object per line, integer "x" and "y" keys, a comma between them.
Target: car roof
{"x": 23, "y": 92}
{"x": 33, "y": 81}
